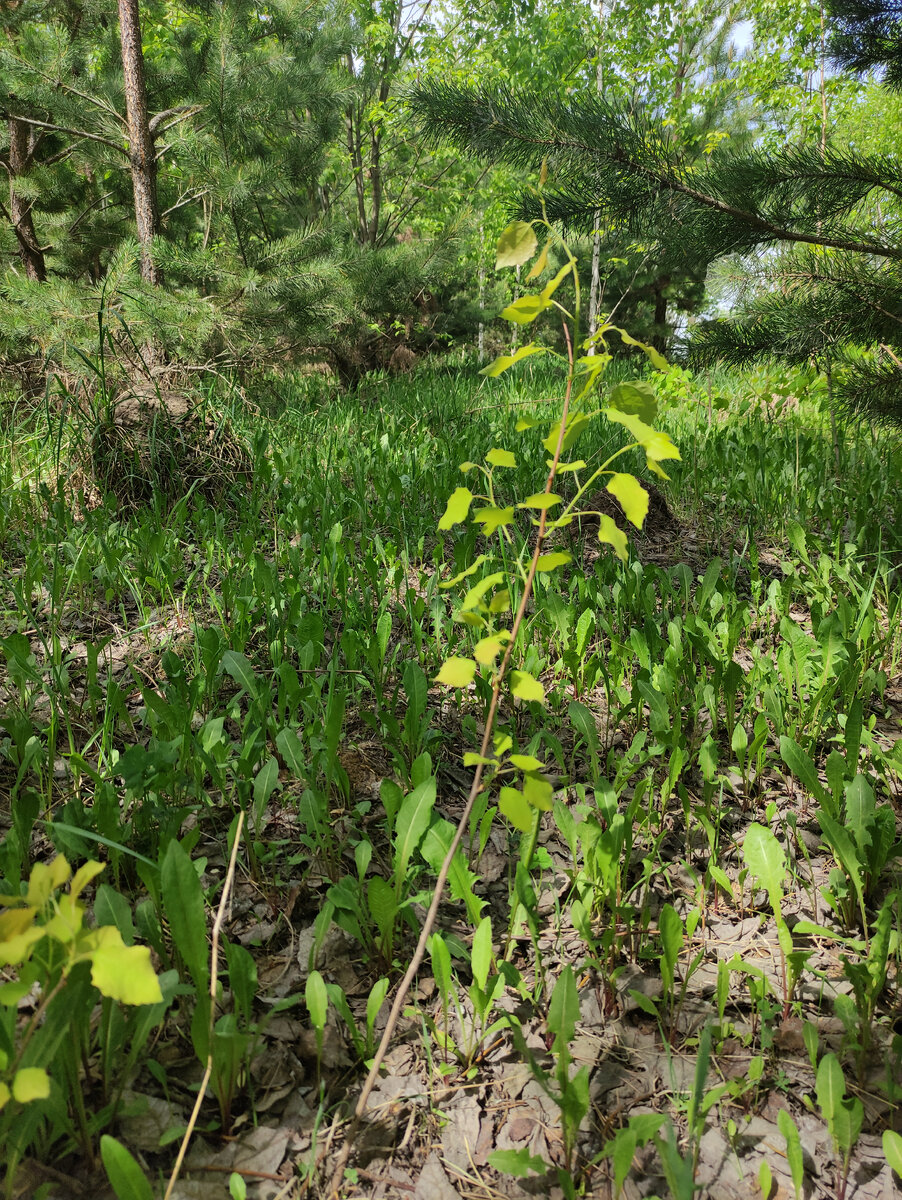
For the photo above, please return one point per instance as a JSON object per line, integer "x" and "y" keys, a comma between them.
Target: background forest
{"x": 450, "y": 660}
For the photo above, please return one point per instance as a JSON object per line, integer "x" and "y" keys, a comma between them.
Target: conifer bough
{"x": 836, "y": 285}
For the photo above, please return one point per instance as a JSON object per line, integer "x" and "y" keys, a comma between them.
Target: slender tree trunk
{"x": 21, "y": 148}
{"x": 140, "y": 141}
{"x": 595, "y": 278}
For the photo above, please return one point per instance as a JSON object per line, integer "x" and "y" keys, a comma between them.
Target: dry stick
{"x": 214, "y": 970}
{"x": 420, "y": 951}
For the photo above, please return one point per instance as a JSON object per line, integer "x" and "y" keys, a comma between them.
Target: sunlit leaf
{"x": 540, "y": 500}
{"x": 549, "y": 562}
{"x": 500, "y": 458}
{"x": 456, "y": 672}
{"x": 526, "y": 762}
{"x": 500, "y": 602}
{"x": 31, "y": 1083}
{"x": 538, "y": 792}
{"x": 636, "y": 397}
{"x": 124, "y": 973}
{"x": 504, "y": 361}
{"x": 474, "y": 566}
{"x": 458, "y": 506}
{"x": 525, "y": 310}
{"x": 487, "y": 650}
{"x": 514, "y": 805}
{"x": 632, "y": 496}
{"x": 610, "y": 532}
{"x": 492, "y": 518}
{"x": 525, "y": 687}
{"x": 517, "y": 244}
{"x": 478, "y": 590}
{"x": 527, "y": 423}
{"x": 575, "y": 426}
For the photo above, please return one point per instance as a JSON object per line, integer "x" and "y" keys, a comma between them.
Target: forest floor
{"x": 688, "y": 986}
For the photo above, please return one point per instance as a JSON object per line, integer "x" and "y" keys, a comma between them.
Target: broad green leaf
{"x": 804, "y": 770}
{"x": 892, "y": 1150}
{"x": 383, "y": 906}
{"x": 124, "y": 973}
{"x": 487, "y": 650}
{"x": 635, "y": 397}
{"x": 183, "y": 904}
{"x": 610, "y": 532}
{"x": 524, "y": 423}
{"x": 492, "y": 518}
{"x": 550, "y": 562}
{"x": 43, "y": 881}
{"x": 317, "y": 1000}
{"x": 632, "y": 496}
{"x": 539, "y": 265}
{"x": 517, "y": 243}
{"x": 847, "y": 1123}
{"x": 237, "y": 665}
{"x": 654, "y": 356}
{"x": 830, "y": 1087}
{"x": 265, "y": 783}
{"x": 514, "y": 805}
{"x": 563, "y": 1011}
{"x": 671, "y": 928}
{"x": 576, "y": 423}
{"x": 412, "y": 823}
{"x": 540, "y": 500}
{"x": 458, "y": 506}
{"x": 237, "y": 1187}
{"x": 579, "y": 465}
{"x": 525, "y": 687}
{"x": 538, "y": 792}
{"x": 500, "y": 602}
{"x": 127, "y": 1179}
{"x": 766, "y": 860}
{"x": 31, "y": 1083}
{"x": 474, "y": 566}
{"x": 481, "y": 952}
{"x": 472, "y": 759}
{"x": 500, "y": 458}
{"x": 794, "y": 1157}
{"x": 441, "y": 965}
{"x": 290, "y": 747}
{"x": 526, "y": 762}
{"x": 517, "y": 1162}
{"x": 83, "y": 876}
{"x": 456, "y": 672}
{"x": 525, "y": 310}
{"x": 375, "y": 1001}
{"x": 478, "y": 590}
{"x": 552, "y": 286}
{"x": 657, "y": 445}
{"x": 466, "y": 467}
{"x": 503, "y": 361}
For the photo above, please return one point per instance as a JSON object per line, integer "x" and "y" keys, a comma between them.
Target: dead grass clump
{"x": 152, "y": 441}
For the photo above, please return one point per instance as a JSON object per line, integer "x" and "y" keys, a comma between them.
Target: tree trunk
{"x": 21, "y": 148}
{"x": 140, "y": 141}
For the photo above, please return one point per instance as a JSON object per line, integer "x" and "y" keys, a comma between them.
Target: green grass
{"x": 168, "y": 667}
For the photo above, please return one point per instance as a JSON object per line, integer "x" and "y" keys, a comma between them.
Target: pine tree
{"x": 834, "y": 273}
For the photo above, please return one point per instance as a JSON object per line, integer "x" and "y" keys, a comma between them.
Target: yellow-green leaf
{"x": 632, "y": 496}
{"x": 575, "y": 425}
{"x": 637, "y": 397}
{"x": 83, "y": 877}
{"x": 31, "y": 1083}
{"x": 552, "y": 286}
{"x": 487, "y": 650}
{"x": 474, "y": 620}
{"x": 493, "y": 518}
{"x": 466, "y": 467}
{"x": 44, "y": 879}
{"x": 500, "y": 602}
{"x": 538, "y": 792}
{"x": 572, "y": 466}
{"x": 654, "y": 356}
{"x": 458, "y": 506}
{"x": 549, "y": 562}
{"x": 525, "y": 687}
{"x": 124, "y": 973}
{"x": 474, "y": 566}
{"x": 516, "y": 808}
{"x": 517, "y": 244}
{"x": 472, "y": 759}
{"x": 4, "y": 1095}
{"x": 611, "y": 533}
{"x": 657, "y": 445}
{"x": 501, "y": 743}
{"x": 525, "y": 310}
{"x": 456, "y": 672}
{"x": 478, "y": 590}
{"x": 526, "y": 762}
{"x": 527, "y": 423}
{"x": 539, "y": 265}
{"x": 503, "y": 361}
{"x": 500, "y": 458}
{"x": 541, "y": 500}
